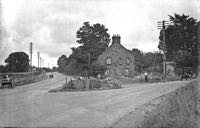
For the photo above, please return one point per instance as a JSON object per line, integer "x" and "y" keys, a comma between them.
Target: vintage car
{"x": 7, "y": 80}
{"x": 50, "y": 75}
{"x": 186, "y": 76}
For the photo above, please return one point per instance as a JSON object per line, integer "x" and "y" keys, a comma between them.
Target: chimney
{"x": 116, "y": 38}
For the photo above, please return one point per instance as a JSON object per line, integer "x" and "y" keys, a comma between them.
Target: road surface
{"x": 31, "y": 105}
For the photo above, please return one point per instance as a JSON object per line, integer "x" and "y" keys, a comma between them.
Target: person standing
{"x": 146, "y": 77}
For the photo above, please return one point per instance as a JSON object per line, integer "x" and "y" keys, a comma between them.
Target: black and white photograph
{"x": 100, "y": 63}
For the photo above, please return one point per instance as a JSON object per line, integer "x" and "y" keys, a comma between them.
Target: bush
{"x": 97, "y": 69}
{"x": 70, "y": 70}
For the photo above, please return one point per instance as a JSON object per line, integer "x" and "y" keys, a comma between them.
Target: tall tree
{"x": 139, "y": 61}
{"x": 61, "y": 62}
{"x": 181, "y": 41}
{"x": 148, "y": 59}
{"x": 94, "y": 39}
{"x": 17, "y": 62}
{"x": 2, "y": 69}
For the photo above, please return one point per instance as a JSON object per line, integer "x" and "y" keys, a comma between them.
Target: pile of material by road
{"x": 86, "y": 84}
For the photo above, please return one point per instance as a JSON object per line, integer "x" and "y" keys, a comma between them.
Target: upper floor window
{"x": 108, "y": 61}
{"x": 120, "y": 61}
{"x": 127, "y": 61}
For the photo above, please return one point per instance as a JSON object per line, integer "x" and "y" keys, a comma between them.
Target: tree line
{"x": 93, "y": 40}
{"x": 181, "y": 48}
{"x": 19, "y": 62}
{"x": 181, "y": 41}
{"x": 16, "y": 62}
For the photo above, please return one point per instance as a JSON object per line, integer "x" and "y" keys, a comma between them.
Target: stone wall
{"x": 26, "y": 78}
{"x": 177, "y": 109}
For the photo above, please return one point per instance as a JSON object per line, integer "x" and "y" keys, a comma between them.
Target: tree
{"x": 150, "y": 61}
{"x": 181, "y": 41}
{"x": 93, "y": 39}
{"x": 62, "y": 62}
{"x": 17, "y": 62}
{"x": 97, "y": 69}
{"x": 2, "y": 69}
{"x": 138, "y": 55}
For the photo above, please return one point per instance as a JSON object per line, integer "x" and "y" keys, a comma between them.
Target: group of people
{"x": 187, "y": 75}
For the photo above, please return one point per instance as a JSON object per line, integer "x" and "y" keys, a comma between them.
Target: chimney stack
{"x": 116, "y": 38}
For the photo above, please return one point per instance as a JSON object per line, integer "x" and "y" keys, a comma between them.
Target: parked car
{"x": 7, "y": 80}
{"x": 50, "y": 75}
{"x": 186, "y": 76}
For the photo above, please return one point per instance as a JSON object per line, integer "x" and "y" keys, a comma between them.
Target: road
{"x": 31, "y": 105}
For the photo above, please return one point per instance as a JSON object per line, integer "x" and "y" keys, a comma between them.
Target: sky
{"x": 52, "y": 24}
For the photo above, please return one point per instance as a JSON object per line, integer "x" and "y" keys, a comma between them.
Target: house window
{"x": 126, "y": 72}
{"x": 127, "y": 61}
{"x": 108, "y": 61}
{"x": 120, "y": 61}
{"x": 107, "y": 72}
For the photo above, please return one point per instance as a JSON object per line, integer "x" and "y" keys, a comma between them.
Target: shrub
{"x": 96, "y": 69}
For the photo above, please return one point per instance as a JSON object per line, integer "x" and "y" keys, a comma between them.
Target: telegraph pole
{"x": 40, "y": 62}
{"x": 38, "y": 59}
{"x": 164, "y": 50}
{"x": 162, "y": 25}
{"x": 31, "y": 52}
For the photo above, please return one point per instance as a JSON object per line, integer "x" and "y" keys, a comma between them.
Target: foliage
{"x": 72, "y": 68}
{"x": 97, "y": 69}
{"x": 181, "y": 41}
{"x": 139, "y": 64}
{"x": 2, "y": 69}
{"x": 149, "y": 61}
{"x": 46, "y": 69}
{"x": 17, "y": 62}
{"x": 62, "y": 61}
{"x": 54, "y": 69}
{"x": 93, "y": 39}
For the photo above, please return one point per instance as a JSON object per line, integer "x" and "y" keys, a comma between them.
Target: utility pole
{"x": 162, "y": 25}
{"x": 164, "y": 50}
{"x": 40, "y": 62}
{"x": 38, "y": 59}
{"x": 31, "y": 52}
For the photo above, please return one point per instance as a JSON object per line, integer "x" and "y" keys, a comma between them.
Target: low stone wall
{"x": 177, "y": 109}
{"x": 29, "y": 79}
{"x": 26, "y": 78}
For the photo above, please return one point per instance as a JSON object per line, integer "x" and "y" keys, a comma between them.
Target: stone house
{"x": 118, "y": 60}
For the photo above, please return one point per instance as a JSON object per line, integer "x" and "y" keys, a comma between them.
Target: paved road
{"x": 32, "y": 105}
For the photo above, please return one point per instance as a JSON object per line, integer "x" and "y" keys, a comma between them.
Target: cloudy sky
{"x": 52, "y": 24}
